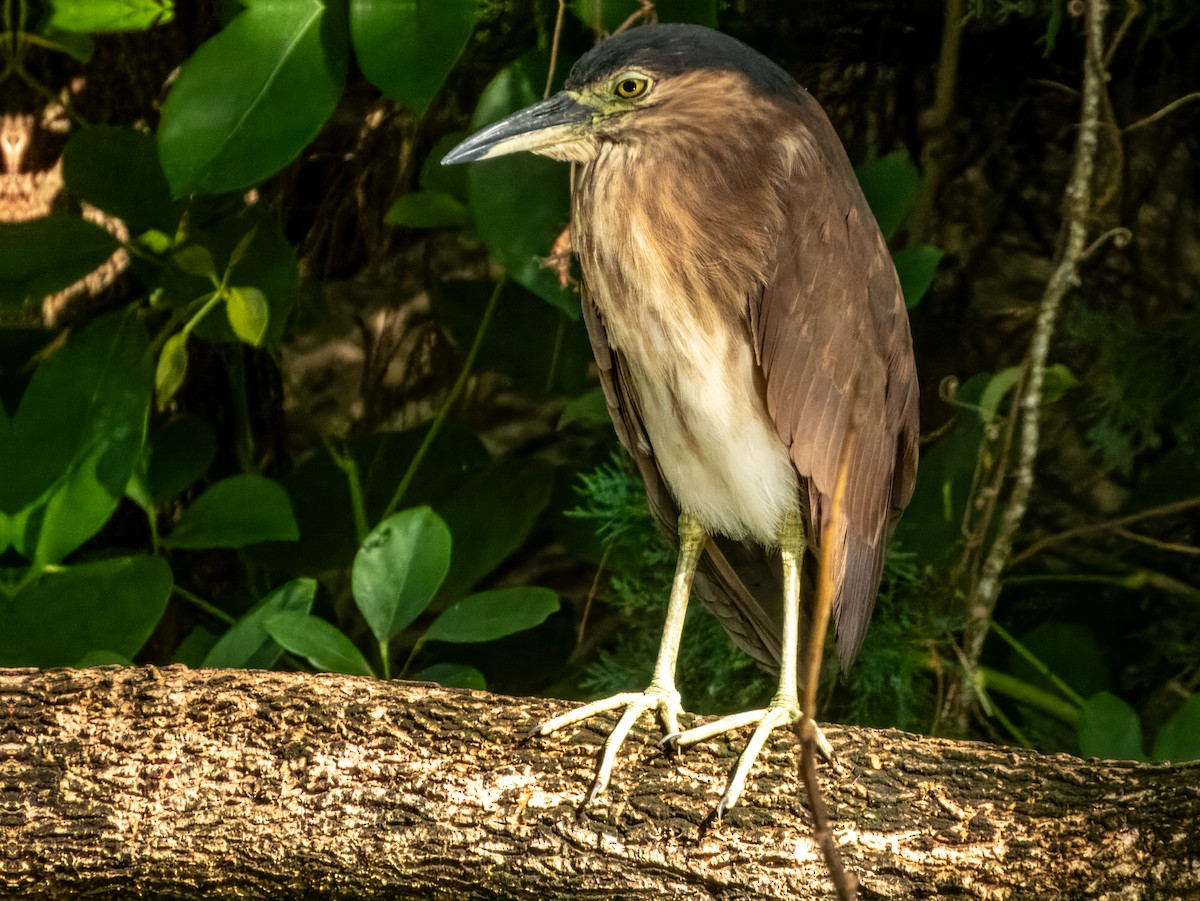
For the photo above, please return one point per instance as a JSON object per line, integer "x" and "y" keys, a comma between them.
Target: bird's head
{"x": 655, "y": 81}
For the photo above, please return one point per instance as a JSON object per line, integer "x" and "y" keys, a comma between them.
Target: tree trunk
{"x": 178, "y": 783}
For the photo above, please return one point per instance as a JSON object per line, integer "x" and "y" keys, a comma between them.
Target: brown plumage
{"x": 748, "y": 326}
{"x": 780, "y": 247}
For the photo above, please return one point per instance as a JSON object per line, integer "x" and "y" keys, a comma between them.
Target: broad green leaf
{"x": 105, "y": 16}
{"x": 890, "y": 185}
{"x": 589, "y": 408}
{"x": 1058, "y": 381}
{"x": 247, "y": 644}
{"x": 111, "y": 606}
{"x": 248, "y": 313}
{"x": 407, "y": 49}
{"x": 116, "y": 169}
{"x": 493, "y": 614}
{"x": 197, "y": 260}
{"x": 453, "y": 675}
{"x": 42, "y": 256}
{"x": 322, "y": 644}
{"x": 251, "y": 97}
{"x": 171, "y": 369}
{"x": 916, "y": 267}
{"x": 102, "y": 658}
{"x": 539, "y": 352}
{"x": 178, "y": 454}
{"x": 194, "y": 647}
{"x": 425, "y": 210}
{"x": 399, "y": 568}
{"x": 235, "y": 512}
{"x": 75, "y": 439}
{"x": 1109, "y": 728}
{"x": 490, "y": 516}
{"x": 1179, "y": 738}
{"x": 521, "y": 202}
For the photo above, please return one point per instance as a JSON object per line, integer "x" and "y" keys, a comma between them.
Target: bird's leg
{"x": 785, "y": 706}
{"x": 661, "y": 695}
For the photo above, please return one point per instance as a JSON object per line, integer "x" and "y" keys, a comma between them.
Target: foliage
{"x": 160, "y": 514}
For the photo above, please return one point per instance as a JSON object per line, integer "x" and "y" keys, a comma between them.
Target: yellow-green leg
{"x": 661, "y": 695}
{"x": 785, "y": 706}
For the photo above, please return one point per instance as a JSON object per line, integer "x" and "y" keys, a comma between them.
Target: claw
{"x": 663, "y": 699}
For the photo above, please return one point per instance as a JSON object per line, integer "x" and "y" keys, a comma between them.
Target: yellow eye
{"x": 629, "y": 88}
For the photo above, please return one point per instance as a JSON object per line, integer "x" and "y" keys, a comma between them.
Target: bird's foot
{"x": 779, "y": 713}
{"x": 662, "y": 699}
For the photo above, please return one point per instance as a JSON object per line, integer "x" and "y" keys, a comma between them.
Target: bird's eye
{"x": 629, "y": 88}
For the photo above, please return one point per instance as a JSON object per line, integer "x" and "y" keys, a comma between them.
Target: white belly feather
{"x": 696, "y": 390}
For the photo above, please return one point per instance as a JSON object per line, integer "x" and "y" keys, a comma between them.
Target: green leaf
{"x": 251, "y": 97}
{"x": 589, "y": 408}
{"x": 1058, "y": 381}
{"x": 105, "y": 16}
{"x": 194, "y": 647}
{"x": 490, "y": 516}
{"x": 322, "y": 644}
{"x": 1109, "y": 728}
{"x": 109, "y": 606}
{"x": 399, "y": 568}
{"x": 890, "y": 185}
{"x": 75, "y": 440}
{"x": 248, "y": 313}
{"x": 1179, "y": 738}
{"x": 197, "y": 260}
{"x": 916, "y": 267}
{"x": 247, "y": 644}
{"x": 521, "y": 202}
{"x": 407, "y": 49}
{"x": 178, "y": 454}
{"x": 42, "y": 256}
{"x": 235, "y": 512}
{"x": 116, "y": 169}
{"x": 493, "y": 614}
{"x": 453, "y": 675}
{"x": 425, "y": 210}
{"x": 171, "y": 369}
{"x": 102, "y": 658}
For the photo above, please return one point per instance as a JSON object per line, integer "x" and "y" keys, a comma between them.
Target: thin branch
{"x": 1165, "y": 111}
{"x": 1171, "y": 546}
{"x": 1131, "y": 12}
{"x": 1078, "y": 203}
{"x": 1120, "y": 237}
{"x": 1091, "y": 528}
{"x": 845, "y": 883}
{"x": 554, "y": 42}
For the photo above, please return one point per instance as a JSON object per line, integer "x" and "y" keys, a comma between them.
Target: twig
{"x": 1120, "y": 522}
{"x": 1078, "y": 203}
{"x": 845, "y": 883}
{"x": 1120, "y": 237}
{"x": 1165, "y": 111}
{"x": 554, "y": 42}
{"x": 1171, "y": 546}
{"x": 1131, "y": 13}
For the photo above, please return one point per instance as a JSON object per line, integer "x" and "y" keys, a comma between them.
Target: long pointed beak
{"x": 554, "y": 121}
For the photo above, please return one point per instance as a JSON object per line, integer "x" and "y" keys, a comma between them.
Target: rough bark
{"x": 178, "y": 783}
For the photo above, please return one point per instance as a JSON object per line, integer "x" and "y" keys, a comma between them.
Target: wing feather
{"x": 834, "y": 302}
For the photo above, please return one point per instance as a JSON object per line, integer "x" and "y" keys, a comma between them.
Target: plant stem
{"x": 456, "y": 391}
{"x": 207, "y": 606}
{"x": 1030, "y": 695}
{"x": 1034, "y": 661}
{"x": 1078, "y": 202}
{"x": 385, "y": 660}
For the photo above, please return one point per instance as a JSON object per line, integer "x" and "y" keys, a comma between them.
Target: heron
{"x": 751, "y": 339}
